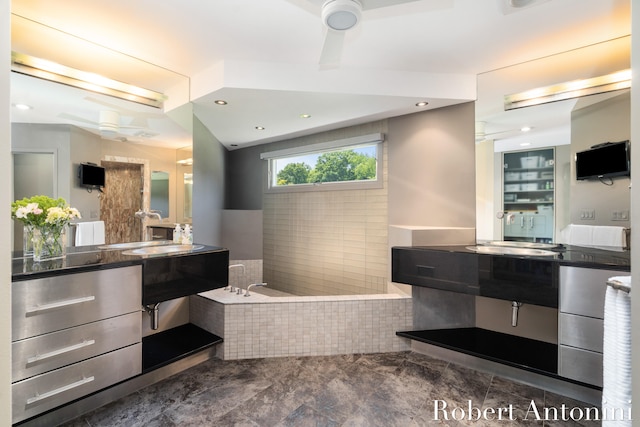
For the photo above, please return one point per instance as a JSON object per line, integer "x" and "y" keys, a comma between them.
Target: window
{"x": 345, "y": 164}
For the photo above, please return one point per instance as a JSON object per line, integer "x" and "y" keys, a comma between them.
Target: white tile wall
{"x": 327, "y": 242}
{"x": 260, "y": 326}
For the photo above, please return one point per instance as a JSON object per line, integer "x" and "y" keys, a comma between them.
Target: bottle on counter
{"x": 177, "y": 234}
{"x": 187, "y": 235}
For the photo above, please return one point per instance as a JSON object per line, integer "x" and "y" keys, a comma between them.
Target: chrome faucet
{"x": 253, "y": 284}
{"x": 230, "y": 287}
{"x": 142, "y": 214}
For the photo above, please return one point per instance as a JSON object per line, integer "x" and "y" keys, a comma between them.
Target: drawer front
{"x": 49, "y": 304}
{"x": 35, "y": 395}
{"x": 457, "y": 272}
{"x": 582, "y": 290}
{"x": 580, "y": 365}
{"x": 33, "y": 356}
{"x": 580, "y": 331}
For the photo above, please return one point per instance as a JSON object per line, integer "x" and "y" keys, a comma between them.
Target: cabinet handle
{"x": 59, "y": 304}
{"x": 39, "y": 357}
{"x": 521, "y": 222}
{"x": 39, "y": 397}
{"x": 530, "y": 222}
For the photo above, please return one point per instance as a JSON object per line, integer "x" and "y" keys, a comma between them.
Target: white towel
{"x": 580, "y": 235}
{"x": 84, "y": 233}
{"x": 616, "y": 357}
{"x": 90, "y": 233}
{"x": 609, "y": 236}
{"x": 98, "y": 232}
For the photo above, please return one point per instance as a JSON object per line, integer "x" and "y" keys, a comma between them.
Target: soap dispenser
{"x": 177, "y": 234}
{"x": 187, "y": 236}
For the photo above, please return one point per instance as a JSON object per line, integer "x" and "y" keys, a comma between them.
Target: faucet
{"x": 253, "y": 284}
{"x": 230, "y": 287}
{"x": 142, "y": 214}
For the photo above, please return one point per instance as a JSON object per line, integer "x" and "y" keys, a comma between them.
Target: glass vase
{"x": 27, "y": 240}
{"x": 49, "y": 242}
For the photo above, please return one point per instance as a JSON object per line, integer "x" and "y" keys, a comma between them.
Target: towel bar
{"x": 615, "y": 284}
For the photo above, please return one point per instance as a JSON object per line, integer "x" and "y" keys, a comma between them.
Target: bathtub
{"x": 262, "y": 326}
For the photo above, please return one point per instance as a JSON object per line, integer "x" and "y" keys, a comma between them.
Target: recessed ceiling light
{"x": 525, "y": 144}
{"x": 260, "y": 127}
{"x": 234, "y": 145}
{"x": 422, "y": 104}
{"x": 220, "y": 102}
{"x": 525, "y": 129}
{"x": 22, "y": 106}
{"x": 305, "y": 116}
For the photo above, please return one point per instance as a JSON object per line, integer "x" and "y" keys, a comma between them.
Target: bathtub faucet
{"x": 253, "y": 284}
{"x": 232, "y": 266}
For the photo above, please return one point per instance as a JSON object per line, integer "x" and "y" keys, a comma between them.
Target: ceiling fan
{"x": 339, "y": 16}
{"x": 109, "y": 126}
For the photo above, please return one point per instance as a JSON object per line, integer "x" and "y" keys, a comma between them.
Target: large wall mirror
{"x": 73, "y": 121}
{"x": 566, "y": 127}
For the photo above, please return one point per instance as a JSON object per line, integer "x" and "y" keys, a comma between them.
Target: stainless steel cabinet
{"x": 580, "y": 323}
{"x": 73, "y": 334}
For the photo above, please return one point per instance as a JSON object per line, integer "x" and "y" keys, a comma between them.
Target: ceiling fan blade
{"x": 376, "y": 4}
{"x": 332, "y": 49}
{"x": 77, "y": 119}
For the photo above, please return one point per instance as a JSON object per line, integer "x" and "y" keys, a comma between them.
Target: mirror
{"x": 68, "y": 120}
{"x": 184, "y": 167}
{"x": 567, "y": 126}
{"x": 160, "y": 193}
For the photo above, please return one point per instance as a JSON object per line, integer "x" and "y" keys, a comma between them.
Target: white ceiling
{"x": 261, "y": 56}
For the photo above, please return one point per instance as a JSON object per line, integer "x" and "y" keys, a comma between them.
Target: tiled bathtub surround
{"x": 261, "y": 326}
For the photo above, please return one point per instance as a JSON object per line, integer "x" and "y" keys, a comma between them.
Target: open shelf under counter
{"x": 168, "y": 346}
{"x": 524, "y": 353}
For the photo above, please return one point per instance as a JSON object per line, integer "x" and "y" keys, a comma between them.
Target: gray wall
{"x": 586, "y": 131}
{"x": 432, "y": 168}
{"x": 209, "y": 158}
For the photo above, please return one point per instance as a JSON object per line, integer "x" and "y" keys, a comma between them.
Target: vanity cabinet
{"x": 528, "y": 195}
{"x": 73, "y": 334}
{"x": 581, "y": 324}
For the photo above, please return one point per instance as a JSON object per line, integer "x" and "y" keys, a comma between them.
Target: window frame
{"x": 376, "y": 139}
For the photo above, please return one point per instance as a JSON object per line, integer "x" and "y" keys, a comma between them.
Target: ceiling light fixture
{"x": 259, "y": 128}
{"x": 185, "y": 162}
{"x": 220, "y": 102}
{"x": 569, "y": 90}
{"x": 422, "y": 104}
{"x": 340, "y": 15}
{"x": 305, "y": 116}
{"x": 48, "y": 70}
{"x": 525, "y": 144}
{"x": 525, "y": 129}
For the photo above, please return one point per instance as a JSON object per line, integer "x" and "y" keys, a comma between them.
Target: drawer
{"x": 581, "y": 331}
{"x": 449, "y": 271}
{"x": 580, "y": 365}
{"x": 33, "y": 356}
{"x": 582, "y": 290}
{"x": 49, "y": 304}
{"x": 37, "y": 394}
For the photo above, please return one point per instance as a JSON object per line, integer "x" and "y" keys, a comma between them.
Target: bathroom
{"x": 238, "y": 203}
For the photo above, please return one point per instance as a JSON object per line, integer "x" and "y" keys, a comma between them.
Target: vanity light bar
{"x": 574, "y": 89}
{"x": 48, "y": 70}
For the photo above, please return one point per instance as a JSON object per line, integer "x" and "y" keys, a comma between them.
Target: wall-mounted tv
{"x": 607, "y": 160}
{"x": 91, "y": 175}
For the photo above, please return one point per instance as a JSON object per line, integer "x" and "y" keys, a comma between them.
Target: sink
{"x": 527, "y": 245}
{"x": 166, "y": 249}
{"x": 131, "y": 245}
{"x": 506, "y": 250}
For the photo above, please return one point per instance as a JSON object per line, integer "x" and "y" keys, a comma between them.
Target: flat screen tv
{"x": 91, "y": 175}
{"x": 607, "y": 160}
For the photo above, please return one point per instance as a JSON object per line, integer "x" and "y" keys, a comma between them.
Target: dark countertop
{"x": 576, "y": 256}
{"x": 86, "y": 258}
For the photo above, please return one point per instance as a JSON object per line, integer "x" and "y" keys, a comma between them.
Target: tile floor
{"x": 390, "y": 389}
